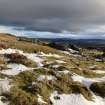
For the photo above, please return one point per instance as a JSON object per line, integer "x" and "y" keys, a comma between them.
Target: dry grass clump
{"x": 20, "y": 59}
{"x": 98, "y": 88}
{"x": 25, "y": 78}
{"x": 65, "y": 84}
{"x": 20, "y": 97}
{"x": 3, "y": 63}
{"x": 87, "y": 73}
{"x": 84, "y": 73}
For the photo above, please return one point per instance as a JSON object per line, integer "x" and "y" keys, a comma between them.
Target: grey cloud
{"x": 53, "y": 15}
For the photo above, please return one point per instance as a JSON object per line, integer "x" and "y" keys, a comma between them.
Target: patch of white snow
{"x": 15, "y": 69}
{"x": 48, "y": 77}
{"x": 74, "y": 99}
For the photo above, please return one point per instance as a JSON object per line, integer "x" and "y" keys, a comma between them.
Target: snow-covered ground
{"x": 56, "y": 99}
{"x": 35, "y": 58}
{"x": 75, "y": 99}
{"x": 50, "y": 55}
{"x": 64, "y": 72}
{"x": 4, "y": 86}
{"x": 1, "y": 103}
{"x": 38, "y": 58}
{"x": 32, "y": 56}
{"x": 15, "y": 69}
{"x": 60, "y": 61}
{"x": 96, "y": 69}
{"x": 99, "y": 71}
{"x": 40, "y": 100}
{"x": 87, "y": 81}
{"x": 10, "y": 51}
{"x": 73, "y": 51}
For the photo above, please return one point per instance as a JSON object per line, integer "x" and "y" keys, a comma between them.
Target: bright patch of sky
{"x": 37, "y": 34}
{"x": 20, "y": 31}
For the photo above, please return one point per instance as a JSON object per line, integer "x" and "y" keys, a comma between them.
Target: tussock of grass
{"x": 25, "y": 78}
{"x": 85, "y": 73}
{"x": 21, "y": 59}
{"x": 88, "y": 74}
{"x": 2, "y": 76}
{"x": 64, "y": 84}
{"x": 51, "y": 59}
{"x": 98, "y": 88}
{"x": 2, "y": 61}
{"x": 20, "y": 97}
{"x": 79, "y": 88}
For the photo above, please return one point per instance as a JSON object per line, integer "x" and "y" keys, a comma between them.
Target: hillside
{"x": 42, "y": 74}
{"x": 7, "y": 37}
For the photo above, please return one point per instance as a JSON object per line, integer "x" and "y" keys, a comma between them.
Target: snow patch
{"x": 48, "y": 77}
{"x": 99, "y": 71}
{"x": 4, "y": 86}
{"x": 35, "y": 58}
{"x": 50, "y": 55}
{"x": 64, "y": 72}
{"x": 87, "y": 81}
{"x": 15, "y": 69}
{"x": 60, "y": 61}
{"x": 56, "y": 66}
{"x": 40, "y": 100}
{"x": 72, "y": 51}
{"x": 74, "y": 99}
{"x": 32, "y": 56}
{"x": 1, "y": 103}
{"x": 10, "y": 51}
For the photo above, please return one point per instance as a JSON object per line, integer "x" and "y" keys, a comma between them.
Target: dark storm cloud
{"x": 53, "y": 15}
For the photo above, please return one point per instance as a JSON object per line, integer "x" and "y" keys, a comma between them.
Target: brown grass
{"x": 7, "y": 37}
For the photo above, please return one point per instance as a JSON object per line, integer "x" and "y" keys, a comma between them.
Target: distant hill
{"x": 85, "y": 43}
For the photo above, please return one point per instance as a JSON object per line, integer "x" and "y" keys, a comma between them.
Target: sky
{"x": 53, "y": 18}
